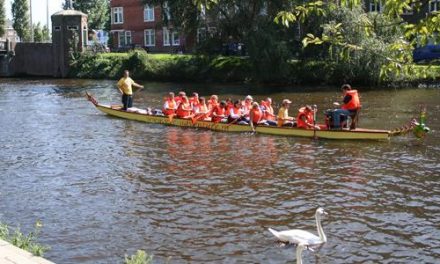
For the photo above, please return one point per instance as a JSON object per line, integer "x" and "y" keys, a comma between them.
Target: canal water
{"x": 105, "y": 187}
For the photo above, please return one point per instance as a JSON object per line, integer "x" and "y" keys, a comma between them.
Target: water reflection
{"x": 105, "y": 187}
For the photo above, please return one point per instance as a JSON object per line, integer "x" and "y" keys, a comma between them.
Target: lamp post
{"x": 30, "y": 18}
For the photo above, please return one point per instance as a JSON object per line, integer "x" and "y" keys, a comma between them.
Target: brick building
{"x": 135, "y": 25}
{"x": 412, "y": 16}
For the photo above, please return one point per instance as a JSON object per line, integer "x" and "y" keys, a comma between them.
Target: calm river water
{"x": 104, "y": 187}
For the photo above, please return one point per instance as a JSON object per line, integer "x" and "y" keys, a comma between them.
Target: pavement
{"x": 10, "y": 254}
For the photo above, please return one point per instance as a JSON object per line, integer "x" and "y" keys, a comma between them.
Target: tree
{"x": 2, "y": 18}
{"x": 20, "y": 17}
{"x": 41, "y": 33}
{"x": 385, "y": 37}
{"x": 98, "y": 12}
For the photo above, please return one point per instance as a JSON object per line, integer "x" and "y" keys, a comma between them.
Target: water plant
{"x": 139, "y": 258}
{"x": 26, "y": 242}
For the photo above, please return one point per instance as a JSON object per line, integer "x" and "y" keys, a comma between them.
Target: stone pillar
{"x": 69, "y": 37}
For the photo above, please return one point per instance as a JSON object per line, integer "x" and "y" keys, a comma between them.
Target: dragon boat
{"x": 418, "y": 128}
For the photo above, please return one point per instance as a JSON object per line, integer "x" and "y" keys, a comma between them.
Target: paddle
{"x": 170, "y": 117}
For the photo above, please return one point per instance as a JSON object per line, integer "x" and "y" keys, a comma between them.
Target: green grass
{"x": 139, "y": 258}
{"x": 26, "y": 242}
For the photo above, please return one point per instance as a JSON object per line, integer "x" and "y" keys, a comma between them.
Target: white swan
{"x": 301, "y": 237}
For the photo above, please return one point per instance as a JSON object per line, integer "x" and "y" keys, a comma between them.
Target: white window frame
{"x": 434, "y": 5}
{"x": 128, "y": 36}
{"x": 152, "y": 38}
{"x": 148, "y": 13}
{"x": 166, "y": 37}
{"x": 166, "y": 10}
{"x": 117, "y": 15}
{"x": 375, "y": 6}
{"x": 175, "y": 38}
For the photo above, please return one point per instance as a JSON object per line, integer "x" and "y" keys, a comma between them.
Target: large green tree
{"x": 2, "y": 18}
{"x": 41, "y": 33}
{"x": 20, "y": 17}
{"x": 98, "y": 12}
{"x": 378, "y": 42}
{"x": 225, "y": 23}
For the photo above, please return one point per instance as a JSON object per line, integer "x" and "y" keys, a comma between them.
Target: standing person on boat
{"x": 351, "y": 106}
{"x": 235, "y": 114}
{"x": 269, "y": 114}
{"x": 256, "y": 116}
{"x": 305, "y": 118}
{"x": 170, "y": 106}
{"x": 125, "y": 86}
{"x": 219, "y": 112}
{"x": 283, "y": 115}
{"x": 184, "y": 110}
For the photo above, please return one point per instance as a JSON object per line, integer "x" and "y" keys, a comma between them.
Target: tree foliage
{"x": 41, "y": 33}
{"x": 20, "y": 17}
{"x": 2, "y": 18}
{"x": 384, "y": 41}
{"x": 98, "y": 12}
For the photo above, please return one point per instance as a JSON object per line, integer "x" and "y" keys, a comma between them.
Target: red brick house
{"x": 134, "y": 24}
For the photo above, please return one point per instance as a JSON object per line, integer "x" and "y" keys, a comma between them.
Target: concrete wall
{"x": 35, "y": 59}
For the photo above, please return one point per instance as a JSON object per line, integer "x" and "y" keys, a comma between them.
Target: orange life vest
{"x": 219, "y": 114}
{"x": 268, "y": 111}
{"x": 203, "y": 108}
{"x": 212, "y": 104}
{"x": 257, "y": 115}
{"x": 184, "y": 110}
{"x": 171, "y": 107}
{"x": 354, "y": 103}
{"x": 308, "y": 116}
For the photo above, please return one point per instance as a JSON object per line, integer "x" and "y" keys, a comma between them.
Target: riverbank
{"x": 12, "y": 254}
{"x": 224, "y": 69}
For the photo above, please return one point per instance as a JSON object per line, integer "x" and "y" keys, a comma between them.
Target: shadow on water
{"x": 104, "y": 187}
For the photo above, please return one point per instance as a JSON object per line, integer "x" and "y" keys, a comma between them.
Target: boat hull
{"x": 357, "y": 134}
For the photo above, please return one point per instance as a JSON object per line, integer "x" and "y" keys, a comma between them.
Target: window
{"x": 148, "y": 13}
{"x": 175, "y": 38}
{"x": 117, "y": 15}
{"x": 72, "y": 27}
{"x": 150, "y": 37}
{"x": 434, "y": 5}
{"x": 166, "y": 36}
{"x": 57, "y": 28}
{"x": 375, "y": 6}
{"x": 125, "y": 38}
{"x": 166, "y": 10}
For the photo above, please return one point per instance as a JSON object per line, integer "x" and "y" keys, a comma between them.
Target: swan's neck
{"x": 299, "y": 250}
{"x": 320, "y": 230}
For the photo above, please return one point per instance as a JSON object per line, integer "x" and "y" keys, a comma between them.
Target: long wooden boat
{"x": 355, "y": 134}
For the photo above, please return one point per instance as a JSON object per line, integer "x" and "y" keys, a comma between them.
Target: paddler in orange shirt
{"x": 184, "y": 110}
{"x": 269, "y": 114}
{"x": 170, "y": 105}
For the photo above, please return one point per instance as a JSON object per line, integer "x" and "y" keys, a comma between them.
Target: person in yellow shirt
{"x": 283, "y": 114}
{"x": 125, "y": 85}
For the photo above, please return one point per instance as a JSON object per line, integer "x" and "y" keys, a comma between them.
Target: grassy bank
{"x": 195, "y": 68}
{"x": 27, "y": 242}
